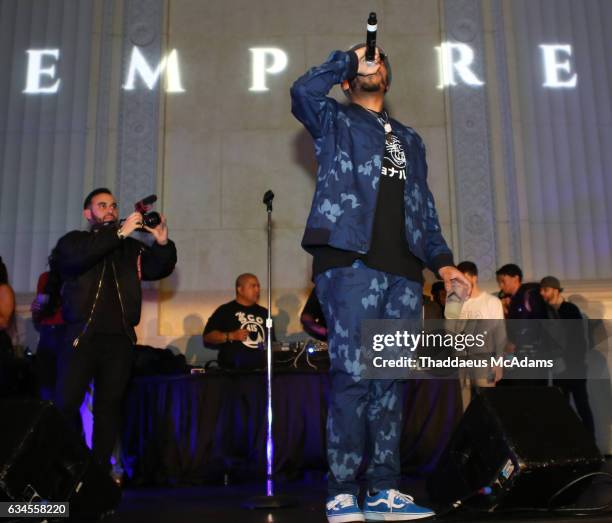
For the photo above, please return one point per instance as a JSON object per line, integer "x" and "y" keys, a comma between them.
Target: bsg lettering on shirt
{"x": 249, "y": 318}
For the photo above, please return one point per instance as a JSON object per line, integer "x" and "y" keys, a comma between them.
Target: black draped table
{"x": 188, "y": 429}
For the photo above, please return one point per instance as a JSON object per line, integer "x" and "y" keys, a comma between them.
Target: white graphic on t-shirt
{"x": 395, "y": 151}
{"x": 396, "y": 156}
{"x": 254, "y": 326}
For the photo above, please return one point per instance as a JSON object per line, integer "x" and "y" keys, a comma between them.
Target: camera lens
{"x": 151, "y": 219}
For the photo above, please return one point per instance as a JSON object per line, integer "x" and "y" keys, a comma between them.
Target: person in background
{"x": 7, "y": 312}
{"x": 47, "y": 317}
{"x": 525, "y": 338}
{"x": 313, "y": 319}
{"x": 101, "y": 270}
{"x": 7, "y": 308}
{"x": 525, "y": 300}
{"x": 434, "y": 308}
{"x": 572, "y": 381}
{"x": 238, "y": 328}
{"x": 487, "y": 314}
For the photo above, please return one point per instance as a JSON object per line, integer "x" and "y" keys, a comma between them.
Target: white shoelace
{"x": 342, "y": 500}
{"x": 394, "y": 494}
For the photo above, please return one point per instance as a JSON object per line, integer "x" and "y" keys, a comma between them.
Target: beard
{"x": 108, "y": 219}
{"x": 101, "y": 223}
{"x": 369, "y": 84}
{"x": 371, "y": 88}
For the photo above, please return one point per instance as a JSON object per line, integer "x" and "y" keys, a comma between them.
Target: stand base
{"x": 259, "y": 502}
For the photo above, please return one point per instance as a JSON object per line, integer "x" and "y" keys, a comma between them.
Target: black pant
{"x": 7, "y": 363}
{"x": 578, "y": 390}
{"x": 107, "y": 360}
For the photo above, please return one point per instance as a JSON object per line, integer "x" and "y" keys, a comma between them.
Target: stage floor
{"x": 222, "y": 504}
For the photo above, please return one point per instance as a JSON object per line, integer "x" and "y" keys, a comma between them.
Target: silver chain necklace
{"x": 383, "y": 119}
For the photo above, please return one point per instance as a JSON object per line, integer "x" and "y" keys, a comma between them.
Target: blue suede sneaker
{"x": 392, "y": 505}
{"x": 343, "y": 508}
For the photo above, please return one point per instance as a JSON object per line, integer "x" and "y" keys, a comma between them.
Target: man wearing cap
{"x": 525, "y": 337}
{"x": 573, "y": 380}
{"x": 372, "y": 228}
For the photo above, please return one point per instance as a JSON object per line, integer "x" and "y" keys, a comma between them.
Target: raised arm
{"x": 309, "y": 101}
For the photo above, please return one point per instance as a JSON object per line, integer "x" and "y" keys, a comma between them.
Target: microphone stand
{"x": 269, "y": 500}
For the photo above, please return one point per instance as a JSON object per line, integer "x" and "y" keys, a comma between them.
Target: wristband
{"x": 120, "y": 234}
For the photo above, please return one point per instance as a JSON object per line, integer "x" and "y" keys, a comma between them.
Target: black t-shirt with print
{"x": 248, "y": 354}
{"x": 389, "y": 250}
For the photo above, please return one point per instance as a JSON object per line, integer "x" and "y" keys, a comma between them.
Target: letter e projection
{"x": 553, "y": 68}
{"x": 36, "y": 71}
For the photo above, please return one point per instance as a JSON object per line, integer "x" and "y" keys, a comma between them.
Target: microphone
{"x": 267, "y": 199}
{"x": 372, "y": 26}
{"x": 142, "y": 204}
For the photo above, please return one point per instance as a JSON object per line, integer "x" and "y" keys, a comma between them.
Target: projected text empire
{"x": 455, "y": 60}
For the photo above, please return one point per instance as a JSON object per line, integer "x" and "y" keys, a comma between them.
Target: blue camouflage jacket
{"x": 349, "y": 145}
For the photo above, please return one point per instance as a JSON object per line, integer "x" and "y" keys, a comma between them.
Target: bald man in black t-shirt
{"x": 238, "y": 328}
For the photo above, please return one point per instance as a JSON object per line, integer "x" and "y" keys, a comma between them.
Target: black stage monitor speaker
{"x": 43, "y": 458}
{"x": 524, "y": 443}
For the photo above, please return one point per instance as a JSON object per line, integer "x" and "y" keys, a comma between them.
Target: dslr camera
{"x": 150, "y": 219}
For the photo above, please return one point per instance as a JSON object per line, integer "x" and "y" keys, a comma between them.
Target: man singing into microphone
{"x": 101, "y": 270}
{"x": 372, "y": 228}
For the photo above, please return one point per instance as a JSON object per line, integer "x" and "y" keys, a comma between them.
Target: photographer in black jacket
{"x": 101, "y": 299}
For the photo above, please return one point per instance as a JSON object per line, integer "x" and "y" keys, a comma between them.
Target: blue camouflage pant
{"x": 362, "y": 410}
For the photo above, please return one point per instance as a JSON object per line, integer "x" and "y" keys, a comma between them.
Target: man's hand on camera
{"x": 160, "y": 233}
{"x": 131, "y": 223}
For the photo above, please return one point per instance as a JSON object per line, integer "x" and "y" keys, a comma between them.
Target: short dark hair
{"x": 510, "y": 269}
{"x": 240, "y": 280}
{"x": 437, "y": 287}
{"x": 3, "y": 273}
{"x": 468, "y": 267}
{"x": 95, "y": 192}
